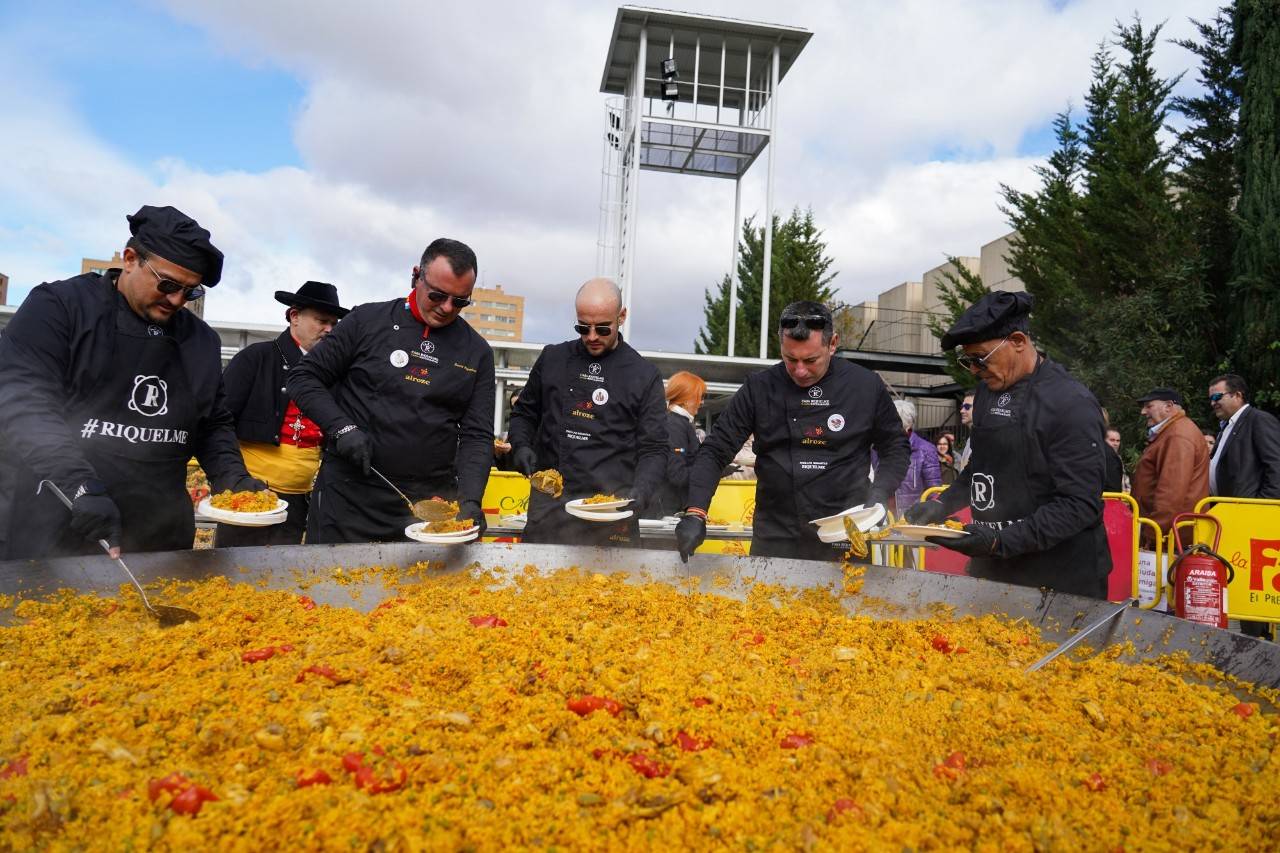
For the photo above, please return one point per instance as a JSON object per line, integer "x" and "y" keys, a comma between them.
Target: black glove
{"x": 472, "y": 510}
{"x": 94, "y": 515}
{"x": 249, "y": 484}
{"x": 640, "y": 502}
{"x": 925, "y": 512}
{"x": 979, "y": 541}
{"x": 524, "y": 460}
{"x": 691, "y": 531}
{"x": 355, "y": 447}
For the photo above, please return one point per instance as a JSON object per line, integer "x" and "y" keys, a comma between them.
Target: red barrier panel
{"x": 944, "y": 561}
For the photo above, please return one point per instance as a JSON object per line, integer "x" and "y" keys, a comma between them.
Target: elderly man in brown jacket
{"x": 1173, "y": 474}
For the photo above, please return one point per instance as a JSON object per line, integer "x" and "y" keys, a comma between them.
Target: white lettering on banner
{"x": 132, "y": 434}
{"x": 150, "y": 396}
{"x": 577, "y": 436}
{"x": 982, "y": 491}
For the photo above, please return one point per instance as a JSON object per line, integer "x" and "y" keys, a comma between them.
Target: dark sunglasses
{"x": 604, "y": 330}
{"x": 167, "y": 286}
{"x": 966, "y": 406}
{"x": 811, "y": 321}
{"x": 978, "y": 362}
{"x": 1213, "y": 398}
{"x": 440, "y": 296}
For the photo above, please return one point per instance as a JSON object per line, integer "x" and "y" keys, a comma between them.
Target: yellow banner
{"x": 1251, "y": 543}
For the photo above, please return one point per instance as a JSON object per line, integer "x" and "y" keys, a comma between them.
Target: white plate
{"x": 665, "y": 523}
{"x": 588, "y": 515}
{"x": 604, "y": 506}
{"x": 920, "y": 531}
{"x": 514, "y": 522}
{"x": 864, "y": 516}
{"x": 414, "y": 532}
{"x": 250, "y": 520}
{"x": 206, "y": 507}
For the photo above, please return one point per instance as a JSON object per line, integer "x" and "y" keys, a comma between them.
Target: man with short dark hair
{"x": 1172, "y": 475}
{"x": 281, "y": 446}
{"x": 1034, "y": 482}
{"x": 966, "y": 420}
{"x": 405, "y": 389}
{"x": 107, "y": 389}
{"x": 593, "y": 409}
{"x": 816, "y": 419}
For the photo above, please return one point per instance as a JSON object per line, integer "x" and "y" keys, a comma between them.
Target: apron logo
{"x": 599, "y": 396}
{"x": 1004, "y": 400}
{"x": 813, "y": 431}
{"x": 150, "y": 396}
{"x": 815, "y": 392}
{"x": 155, "y": 331}
{"x": 835, "y": 423}
{"x": 594, "y": 368}
{"x": 399, "y": 358}
{"x": 427, "y": 346}
{"x": 982, "y": 492}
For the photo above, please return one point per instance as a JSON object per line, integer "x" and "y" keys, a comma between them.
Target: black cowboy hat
{"x": 314, "y": 294}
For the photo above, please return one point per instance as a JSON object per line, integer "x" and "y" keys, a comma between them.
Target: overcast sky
{"x": 333, "y": 140}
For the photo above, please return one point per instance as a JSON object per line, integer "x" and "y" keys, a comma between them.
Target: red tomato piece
{"x": 951, "y": 767}
{"x": 318, "y": 777}
{"x": 1244, "y": 709}
{"x": 490, "y": 621}
{"x": 700, "y": 701}
{"x": 284, "y": 648}
{"x": 307, "y": 602}
{"x": 796, "y": 740}
{"x": 584, "y": 705}
{"x": 371, "y": 781}
{"x": 352, "y": 761}
{"x": 942, "y": 644}
{"x": 173, "y": 783}
{"x": 1158, "y": 766}
{"x": 14, "y": 767}
{"x": 841, "y": 806}
{"x": 321, "y": 670}
{"x": 689, "y": 743}
{"x": 649, "y": 768}
{"x": 1095, "y": 782}
{"x": 192, "y": 799}
{"x": 256, "y": 655}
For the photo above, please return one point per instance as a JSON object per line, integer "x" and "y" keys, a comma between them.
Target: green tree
{"x": 960, "y": 287}
{"x": 1255, "y": 297}
{"x": 801, "y": 270}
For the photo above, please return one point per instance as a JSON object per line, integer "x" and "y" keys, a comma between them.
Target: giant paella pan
{"x": 412, "y": 697}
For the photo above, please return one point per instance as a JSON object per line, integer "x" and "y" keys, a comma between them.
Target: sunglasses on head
{"x": 604, "y": 330}
{"x": 811, "y": 321}
{"x": 167, "y": 286}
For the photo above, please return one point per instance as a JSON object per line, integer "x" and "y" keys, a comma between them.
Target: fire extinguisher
{"x": 1199, "y": 576}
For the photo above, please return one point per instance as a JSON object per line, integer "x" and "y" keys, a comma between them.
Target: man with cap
{"x": 816, "y": 419}
{"x": 1173, "y": 474}
{"x": 1034, "y": 481}
{"x": 281, "y": 446}
{"x": 593, "y": 409}
{"x": 107, "y": 389}
{"x": 402, "y": 389}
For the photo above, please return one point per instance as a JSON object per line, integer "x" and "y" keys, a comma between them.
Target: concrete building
{"x": 101, "y": 265}
{"x": 995, "y": 269}
{"x": 496, "y": 315}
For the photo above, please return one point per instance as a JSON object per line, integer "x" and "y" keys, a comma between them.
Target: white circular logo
{"x": 399, "y": 358}
{"x": 1004, "y": 400}
{"x": 594, "y": 368}
{"x": 155, "y": 331}
{"x": 835, "y": 423}
{"x": 815, "y": 392}
{"x": 427, "y": 346}
{"x": 150, "y": 396}
{"x": 982, "y": 491}
{"x": 599, "y": 396}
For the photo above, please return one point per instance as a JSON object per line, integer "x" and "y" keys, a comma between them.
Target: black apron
{"x": 1006, "y": 458}
{"x": 136, "y": 430}
{"x": 347, "y": 506}
{"x": 592, "y": 427}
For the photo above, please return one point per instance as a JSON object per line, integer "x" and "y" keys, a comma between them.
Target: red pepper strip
{"x": 256, "y": 655}
{"x": 14, "y": 767}
{"x": 584, "y": 705}
{"x": 367, "y": 777}
{"x": 700, "y": 701}
{"x": 952, "y": 767}
{"x": 307, "y": 602}
{"x": 490, "y": 621}
{"x": 942, "y": 644}
{"x": 842, "y": 805}
{"x": 689, "y": 743}
{"x": 1244, "y": 709}
{"x": 386, "y": 605}
{"x": 173, "y": 783}
{"x": 647, "y": 767}
{"x": 192, "y": 799}
{"x": 795, "y": 741}
{"x": 1095, "y": 782}
{"x": 325, "y": 671}
{"x": 249, "y": 617}
{"x": 306, "y": 780}
{"x": 352, "y": 761}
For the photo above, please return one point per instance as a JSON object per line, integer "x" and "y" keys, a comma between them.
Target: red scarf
{"x": 412, "y": 304}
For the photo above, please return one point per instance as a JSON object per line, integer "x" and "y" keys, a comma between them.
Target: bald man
{"x": 593, "y": 410}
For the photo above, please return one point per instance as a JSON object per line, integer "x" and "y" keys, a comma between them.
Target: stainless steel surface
{"x": 1081, "y": 635}
{"x": 166, "y": 615}
{"x": 887, "y": 593}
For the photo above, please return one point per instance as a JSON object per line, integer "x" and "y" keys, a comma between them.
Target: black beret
{"x": 996, "y": 315}
{"x": 179, "y": 239}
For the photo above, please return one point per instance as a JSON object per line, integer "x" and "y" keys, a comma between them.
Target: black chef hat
{"x": 179, "y": 239}
{"x": 996, "y": 315}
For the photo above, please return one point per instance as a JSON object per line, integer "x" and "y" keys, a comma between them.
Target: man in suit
{"x": 1246, "y": 459}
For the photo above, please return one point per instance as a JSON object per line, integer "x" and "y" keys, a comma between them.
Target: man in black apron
{"x": 593, "y": 409}
{"x": 816, "y": 420}
{"x": 1035, "y": 479}
{"x": 405, "y": 387}
{"x": 108, "y": 388}
{"x": 281, "y": 446}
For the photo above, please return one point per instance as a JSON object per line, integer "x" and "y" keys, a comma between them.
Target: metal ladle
{"x": 427, "y": 510}
{"x": 1071, "y": 643}
{"x": 164, "y": 613}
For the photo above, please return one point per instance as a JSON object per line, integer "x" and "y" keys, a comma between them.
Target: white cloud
{"x": 482, "y": 121}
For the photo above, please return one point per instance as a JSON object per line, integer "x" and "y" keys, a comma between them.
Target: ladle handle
{"x": 393, "y": 487}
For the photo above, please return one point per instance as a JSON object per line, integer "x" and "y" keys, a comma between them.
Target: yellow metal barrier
{"x": 1251, "y": 543}
{"x": 1161, "y": 567}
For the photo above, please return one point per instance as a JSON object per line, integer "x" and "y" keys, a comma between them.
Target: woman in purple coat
{"x": 923, "y": 471}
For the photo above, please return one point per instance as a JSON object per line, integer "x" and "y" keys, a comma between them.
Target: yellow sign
{"x": 1251, "y": 543}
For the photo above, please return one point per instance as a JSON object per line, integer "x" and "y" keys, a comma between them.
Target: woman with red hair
{"x": 684, "y": 397}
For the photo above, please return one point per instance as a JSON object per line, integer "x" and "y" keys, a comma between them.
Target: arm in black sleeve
{"x": 727, "y": 436}
{"x": 216, "y": 447}
{"x": 1266, "y": 439}
{"x": 35, "y": 354}
{"x": 237, "y": 381}
{"x": 309, "y": 382}
{"x": 956, "y": 496}
{"x": 1072, "y": 436}
{"x": 522, "y": 430}
{"x": 890, "y": 444}
{"x": 653, "y": 449}
{"x": 475, "y": 434}
{"x": 679, "y": 455}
